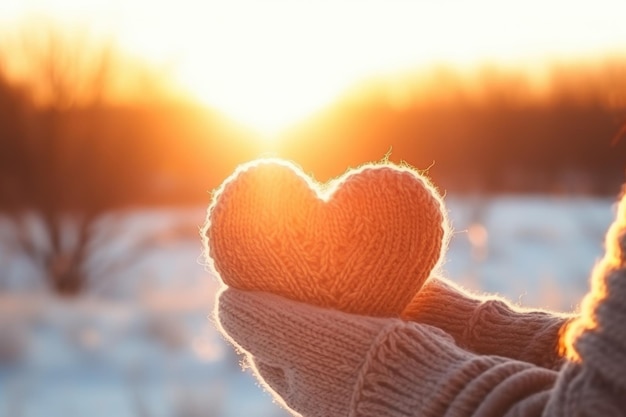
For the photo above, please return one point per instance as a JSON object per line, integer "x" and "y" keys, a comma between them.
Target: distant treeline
{"x": 492, "y": 135}
{"x": 496, "y": 132}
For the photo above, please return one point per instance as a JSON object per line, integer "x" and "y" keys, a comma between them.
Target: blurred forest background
{"x": 86, "y": 130}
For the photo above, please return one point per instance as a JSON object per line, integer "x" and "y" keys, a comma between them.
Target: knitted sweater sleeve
{"x": 593, "y": 382}
{"x": 490, "y": 325}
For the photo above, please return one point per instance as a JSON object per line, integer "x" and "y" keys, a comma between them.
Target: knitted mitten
{"x": 321, "y": 362}
{"x": 365, "y": 243}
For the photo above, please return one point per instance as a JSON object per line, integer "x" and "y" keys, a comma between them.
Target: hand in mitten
{"x": 321, "y": 362}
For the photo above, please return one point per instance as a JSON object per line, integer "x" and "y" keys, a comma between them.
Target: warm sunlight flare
{"x": 268, "y": 64}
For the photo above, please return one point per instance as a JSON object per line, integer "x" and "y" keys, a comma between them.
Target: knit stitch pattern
{"x": 324, "y": 363}
{"x": 604, "y": 309}
{"x": 364, "y": 243}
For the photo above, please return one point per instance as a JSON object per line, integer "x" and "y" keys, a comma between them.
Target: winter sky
{"x": 268, "y": 63}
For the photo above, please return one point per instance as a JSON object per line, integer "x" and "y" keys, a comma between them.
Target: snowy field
{"x": 140, "y": 342}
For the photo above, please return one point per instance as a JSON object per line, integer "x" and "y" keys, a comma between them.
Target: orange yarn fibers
{"x": 364, "y": 243}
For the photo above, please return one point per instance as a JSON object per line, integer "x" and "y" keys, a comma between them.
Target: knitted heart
{"x": 364, "y": 243}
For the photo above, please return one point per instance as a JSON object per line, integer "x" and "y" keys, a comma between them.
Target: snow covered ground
{"x": 141, "y": 343}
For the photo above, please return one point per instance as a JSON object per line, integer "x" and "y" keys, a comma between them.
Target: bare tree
{"x": 56, "y": 158}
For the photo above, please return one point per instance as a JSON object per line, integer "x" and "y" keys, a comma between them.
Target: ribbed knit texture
{"x": 312, "y": 366}
{"x": 324, "y": 363}
{"x": 594, "y": 382}
{"x": 603, "y": 321}
{"x": 364, "y": 243}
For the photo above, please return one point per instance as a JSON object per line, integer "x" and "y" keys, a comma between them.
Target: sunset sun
{"x": 268, "y": 65}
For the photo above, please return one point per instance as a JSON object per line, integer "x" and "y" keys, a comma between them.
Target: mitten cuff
{"x": 413, "y": 368}
{"x": 406, "y": 368}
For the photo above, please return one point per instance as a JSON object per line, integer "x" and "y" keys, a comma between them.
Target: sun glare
{"x": 269, "y": 64}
